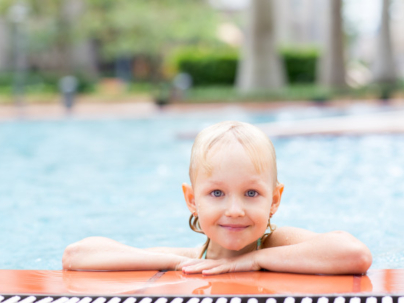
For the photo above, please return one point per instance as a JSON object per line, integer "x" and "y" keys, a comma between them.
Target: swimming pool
{"x": 61, "y": 181}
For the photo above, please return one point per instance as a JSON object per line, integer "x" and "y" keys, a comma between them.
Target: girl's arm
{"x": 98, "y": 253}
{"x": 298, "y": 251}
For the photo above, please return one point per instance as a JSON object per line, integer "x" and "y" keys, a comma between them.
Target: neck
{"x": 215, "y": 251}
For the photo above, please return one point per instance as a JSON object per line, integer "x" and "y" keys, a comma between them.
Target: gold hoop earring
{"x": 271, "y": 227}
{"x": 194, "y": 224}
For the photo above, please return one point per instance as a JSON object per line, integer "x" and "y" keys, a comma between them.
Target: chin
{"x": 234, "y": 245}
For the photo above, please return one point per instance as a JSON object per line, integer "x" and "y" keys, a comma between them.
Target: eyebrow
{"x": 251, "y": 180}
{"x": 213, "y": 182}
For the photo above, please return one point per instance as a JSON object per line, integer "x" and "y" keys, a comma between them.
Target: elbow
{"x": 69, "y": 256}
{"x": 75, "y": 253}
{"x": 359, "y": 258}
{"x": 356, "y": 256}
{"x": 362, "y": 260}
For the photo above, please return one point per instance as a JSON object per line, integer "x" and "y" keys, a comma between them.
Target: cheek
{"x": 205, "y": 214}
{"x": 261, "y": 215}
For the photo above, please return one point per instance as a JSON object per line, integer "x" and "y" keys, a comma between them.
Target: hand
{"x": 213, "y": 267}
{"x": 184, "y": 261}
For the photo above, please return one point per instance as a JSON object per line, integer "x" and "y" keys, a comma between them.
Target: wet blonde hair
{"x": 255, "y": 142}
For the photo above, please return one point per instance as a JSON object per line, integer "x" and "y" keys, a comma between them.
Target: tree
{"x": 128, "y": 27}
{"x": 332, "y": 65}
{"x": 152, "y": 28}
{"x": 50, "y": 30}
{"x": 120, "y": 28}
{"x": 384, "y": 68}
{"x": 260, "y": 66}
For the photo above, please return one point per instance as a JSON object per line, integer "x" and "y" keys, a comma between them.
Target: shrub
{"x": 207, "y": 66}
{"x": 45, "y": 82}
{"x": 300, "y": 64}
{"x": 219, "y": 67}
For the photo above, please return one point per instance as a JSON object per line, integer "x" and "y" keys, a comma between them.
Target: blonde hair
{"x": 255, "y": 142}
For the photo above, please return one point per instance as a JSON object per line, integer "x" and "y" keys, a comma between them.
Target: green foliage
{"x": 128, "y": 27}
{"x": 120, "y": 28}
{"x": 218, "y": 66}
{"x": 40, "y": 82}
{"x": 295, "y": 92}
{"x": 300, "y": 64}
{"x": 47, "y": 25}
{"x": 208, "y": 66}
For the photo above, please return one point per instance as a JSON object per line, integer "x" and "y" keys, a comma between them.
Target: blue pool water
{"x": 61, "y": 181}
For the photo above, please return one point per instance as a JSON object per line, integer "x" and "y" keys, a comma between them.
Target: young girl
{"x": 233, "y": 195}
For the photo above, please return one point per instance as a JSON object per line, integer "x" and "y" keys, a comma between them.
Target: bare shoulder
{"x": 288, "y": 236}
{"x": 180, "y": 251}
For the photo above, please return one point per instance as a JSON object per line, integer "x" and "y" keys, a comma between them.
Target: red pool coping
{"x": 153, "y": 283}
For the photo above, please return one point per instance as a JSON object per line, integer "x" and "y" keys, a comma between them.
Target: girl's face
{"x": 234, "y": 201}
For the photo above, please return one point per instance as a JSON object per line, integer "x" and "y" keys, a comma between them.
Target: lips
{"x": 234, "y": 227}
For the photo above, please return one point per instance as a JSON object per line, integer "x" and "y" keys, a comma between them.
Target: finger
{"x": 191, "y": 263}
{"x": 197, "y": 268}
{"x": 216, "y": 270}
{"x": 193, "y": 269}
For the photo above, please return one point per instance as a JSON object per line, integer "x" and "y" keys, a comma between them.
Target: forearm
{"x": 330, "y": 253}
{"x": 99, "y": 253}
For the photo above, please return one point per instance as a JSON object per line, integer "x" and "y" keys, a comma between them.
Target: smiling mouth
{"x": 234, "y": 227}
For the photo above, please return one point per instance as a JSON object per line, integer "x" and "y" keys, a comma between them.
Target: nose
{"x": 234, "y": 207}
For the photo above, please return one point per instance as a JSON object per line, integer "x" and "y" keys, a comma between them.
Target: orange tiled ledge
{"x": 153, "y": 283}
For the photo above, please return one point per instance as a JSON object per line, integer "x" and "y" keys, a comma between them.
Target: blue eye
{"x": 217, "y": 193}
{"x": 251, "y": 193}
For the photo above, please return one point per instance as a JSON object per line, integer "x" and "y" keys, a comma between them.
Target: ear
{"x": 276, "y": 197}
{"x": 189, "y": 197}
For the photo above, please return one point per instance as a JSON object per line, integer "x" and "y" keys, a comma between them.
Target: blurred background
{"x": 100, "y": 101}
{"x": 215, "y": 50}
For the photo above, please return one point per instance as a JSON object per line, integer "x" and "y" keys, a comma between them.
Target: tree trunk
{"x": 64, "y": 39}
{"x": 332, "y": 65}
{"x": 4, "y": 50}
{"x": 384, "y": 67}
{"x": 260, "y": 66}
